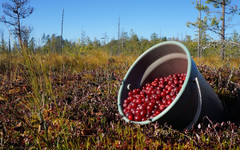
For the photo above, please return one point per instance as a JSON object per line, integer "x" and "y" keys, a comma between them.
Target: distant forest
{"x": 126, "y": 44}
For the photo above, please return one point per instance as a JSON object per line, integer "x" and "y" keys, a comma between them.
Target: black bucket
{"x": 195, "y": 99}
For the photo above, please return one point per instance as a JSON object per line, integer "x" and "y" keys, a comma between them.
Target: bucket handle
{"x": 199, "y": 108}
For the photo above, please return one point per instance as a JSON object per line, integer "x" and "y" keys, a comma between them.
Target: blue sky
{"x": 96, "y": 18}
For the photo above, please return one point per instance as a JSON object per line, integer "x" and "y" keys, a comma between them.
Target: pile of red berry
{"x": 153, "y": 98}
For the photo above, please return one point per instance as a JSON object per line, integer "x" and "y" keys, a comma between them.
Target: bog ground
{"x": 58, "y": 101}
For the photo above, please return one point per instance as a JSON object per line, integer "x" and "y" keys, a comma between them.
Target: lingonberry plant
{"x": 153, "y": 98}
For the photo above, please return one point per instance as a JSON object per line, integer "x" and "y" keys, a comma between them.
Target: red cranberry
{"x": 153, "y": 98}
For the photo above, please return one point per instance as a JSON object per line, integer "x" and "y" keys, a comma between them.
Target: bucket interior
{"x": 159, "y": 61}
{"x": 172, "y": 60}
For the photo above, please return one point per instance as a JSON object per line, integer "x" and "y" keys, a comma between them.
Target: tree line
{"x": 130, "y": 43}
{"x": 127, "y": 44}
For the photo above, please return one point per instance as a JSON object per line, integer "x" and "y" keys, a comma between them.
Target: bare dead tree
{"x": 118, "y": 35}
{"x": 62, "y": 32}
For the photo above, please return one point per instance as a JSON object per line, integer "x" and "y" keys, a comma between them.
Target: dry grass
{"x": 217, "y": 62}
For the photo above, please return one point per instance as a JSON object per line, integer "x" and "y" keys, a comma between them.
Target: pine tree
{"x": 201, "y": 25}
{"x": 15, "y": 11}
{"x": 3, "y": 45}
{"x": 221, "y": 10}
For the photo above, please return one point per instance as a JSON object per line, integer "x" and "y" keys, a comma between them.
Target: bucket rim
{"x": 188, "y": 73}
